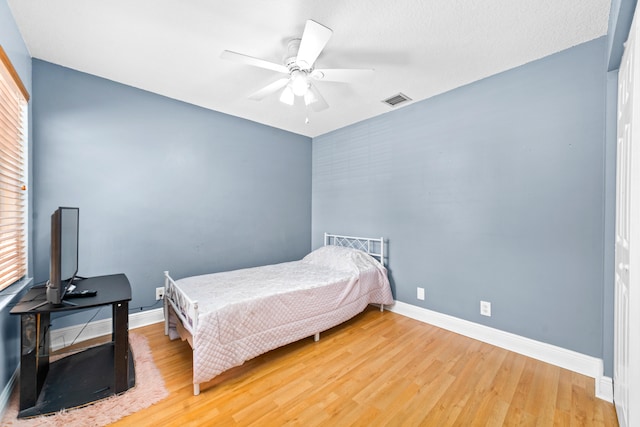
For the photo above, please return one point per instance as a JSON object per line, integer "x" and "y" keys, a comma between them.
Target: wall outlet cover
{"x": 485, "y": 308}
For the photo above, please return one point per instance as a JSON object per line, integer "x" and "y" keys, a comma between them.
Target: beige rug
{"x": 149, "y": 389}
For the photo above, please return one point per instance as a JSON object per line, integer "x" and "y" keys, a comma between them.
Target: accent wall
{"x": 494, "y": 191}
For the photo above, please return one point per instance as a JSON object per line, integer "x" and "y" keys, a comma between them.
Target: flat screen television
{"x": 63, "y": 265}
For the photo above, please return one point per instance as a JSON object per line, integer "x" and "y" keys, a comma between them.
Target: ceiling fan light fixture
{"x": 299, "y": 83}
{"x": 309, "y": 98}
{"x": 287, "y": 96}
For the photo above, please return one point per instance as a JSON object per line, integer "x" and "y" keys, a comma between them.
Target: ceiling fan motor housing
{"x": 292, "y": 54}
{"x": 299, "y": 77}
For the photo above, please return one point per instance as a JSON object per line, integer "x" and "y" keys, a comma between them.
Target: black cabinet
{"x": 83, "y": 377}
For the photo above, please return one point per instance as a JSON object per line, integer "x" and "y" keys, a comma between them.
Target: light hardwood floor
{"x": 377, "y": 369}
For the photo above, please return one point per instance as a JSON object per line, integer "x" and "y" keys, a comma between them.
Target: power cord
{"x": 144, "y": 307}
{"x": 99, "y": 310}
{"x": 85, "y": 325}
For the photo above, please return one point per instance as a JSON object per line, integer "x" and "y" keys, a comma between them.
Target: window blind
{"x": 13, "y": 100}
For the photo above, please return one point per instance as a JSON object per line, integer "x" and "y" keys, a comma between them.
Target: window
{"x": 13, "y": 102}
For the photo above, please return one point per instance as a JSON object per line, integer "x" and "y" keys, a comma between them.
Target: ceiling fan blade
{"x": 250, "y": 60}
{"x": 269, "y": 89}
{"x": 314, "y": 100}
{"x": 341, "y": 74}
{"x": 314, "y": 39}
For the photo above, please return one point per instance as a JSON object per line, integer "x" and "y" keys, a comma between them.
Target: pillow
{"x": 341, "y": 258}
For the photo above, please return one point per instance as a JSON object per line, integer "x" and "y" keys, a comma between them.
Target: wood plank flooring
{"x": 379, "y": 369}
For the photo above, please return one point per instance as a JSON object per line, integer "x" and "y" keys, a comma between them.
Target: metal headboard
{"x": 370, "y": 245}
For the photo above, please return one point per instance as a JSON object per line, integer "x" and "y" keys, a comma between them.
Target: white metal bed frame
{"x": 186, "y": 309}
{"x": 372, "y": 246}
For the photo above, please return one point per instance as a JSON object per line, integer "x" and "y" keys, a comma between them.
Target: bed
{"x": 231, "y": 317}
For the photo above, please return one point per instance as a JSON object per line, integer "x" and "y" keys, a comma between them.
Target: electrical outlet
{"x": 420, "y": 295}
{"x": 159, "y": 293}
{"x": 485, "y": 308}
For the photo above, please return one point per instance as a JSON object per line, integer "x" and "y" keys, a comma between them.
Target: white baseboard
{"x": 64, "y": 336}
{"x": 8, "y": 389}
{"x": 604, "y": 388}
{"x": 567, "y": 359}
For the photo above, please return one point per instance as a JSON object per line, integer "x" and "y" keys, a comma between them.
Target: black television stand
{"x": 83, "y": 377}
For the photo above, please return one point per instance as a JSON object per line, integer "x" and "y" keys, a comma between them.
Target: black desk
{"x": 83, "y": 377}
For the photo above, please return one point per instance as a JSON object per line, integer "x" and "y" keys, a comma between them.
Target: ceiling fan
{"x": 299, "y": 65}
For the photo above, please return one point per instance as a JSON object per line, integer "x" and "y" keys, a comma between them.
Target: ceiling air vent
{"x": 397, "y": 99}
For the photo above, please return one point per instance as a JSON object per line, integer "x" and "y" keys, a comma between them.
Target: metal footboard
{"x": 184, "y": 308}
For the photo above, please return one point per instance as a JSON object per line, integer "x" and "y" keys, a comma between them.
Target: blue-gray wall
{"x": 14, "y": 46}
{"x": 162, "y": 185}
{"x": 494, "y": 191}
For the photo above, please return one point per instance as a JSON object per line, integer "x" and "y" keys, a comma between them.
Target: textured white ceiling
{"x": 418, "y": 47}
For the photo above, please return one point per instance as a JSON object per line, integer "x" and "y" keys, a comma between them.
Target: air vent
{"x": 397, "y": 99}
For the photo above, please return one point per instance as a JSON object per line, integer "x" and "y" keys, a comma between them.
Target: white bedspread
{"x": 245, "y": 313}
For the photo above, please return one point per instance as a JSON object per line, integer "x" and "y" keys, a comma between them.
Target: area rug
{"x": 149, "y": 389}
